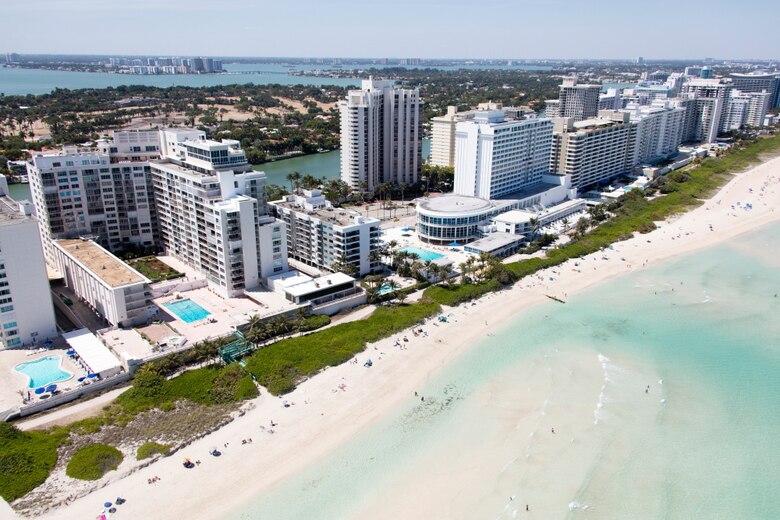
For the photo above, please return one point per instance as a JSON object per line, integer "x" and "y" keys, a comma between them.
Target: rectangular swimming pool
{"x": 187, "y": 310}
{"x": 424, "y": 254}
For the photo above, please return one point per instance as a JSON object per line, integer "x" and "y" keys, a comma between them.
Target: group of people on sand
{"x": 153, "y": 480}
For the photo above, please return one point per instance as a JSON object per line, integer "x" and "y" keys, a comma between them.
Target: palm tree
{"x": 294, "y": 178}
{"x": 534, "y": 223}
{"x": 565, "y": 223}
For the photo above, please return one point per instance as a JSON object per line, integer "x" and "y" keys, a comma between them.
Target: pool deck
{"x": 15, "y": 381}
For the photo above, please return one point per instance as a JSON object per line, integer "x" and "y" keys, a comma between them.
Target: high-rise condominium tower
{"x": 381, "y": 138}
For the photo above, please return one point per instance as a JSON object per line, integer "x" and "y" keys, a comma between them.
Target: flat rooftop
{"x": 495, "y": 241}
{"x": 316, "y": 284}
{"x": 9, "y": 212}
{"x": 103, "y": 264}
{"x": 340, "y": 217}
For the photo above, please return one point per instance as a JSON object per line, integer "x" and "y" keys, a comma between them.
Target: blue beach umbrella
{"x": 82, "y": 378}
{"x": 51, "y": 388}
{"x": 48, "y": 343}
{"x": 454, "y": 244}
{"x": 70, "y": 352}
{"x": 40, "y": 390}
{"x": 91, "y": 376}
{"x": 107, "y": 504}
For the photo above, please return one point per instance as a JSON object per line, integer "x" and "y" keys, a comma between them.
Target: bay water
{"x": 655, "y": 395}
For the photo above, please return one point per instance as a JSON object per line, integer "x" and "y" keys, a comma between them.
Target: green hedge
{"x": 279, "y": 367}
{"x": 149, "y": 449}
{"x": 453, "y": 295}
{"x": 93, "y": 461}
{"x": 26, "y": 459}
{"x": 207, "y": 386}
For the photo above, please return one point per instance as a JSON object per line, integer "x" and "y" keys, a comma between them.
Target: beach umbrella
{"x": 91, "y": 376}
{"x": 70, "y": 352}
{"x": 107, "y": 504}
{"x": 454, "y": 244}
{"x": 48, "y": 343}
{"x": 212, "y": 449}
{"x": 40, "y": 390}
{"x": 51, "y": 388}
{"x": 82, "y": 378}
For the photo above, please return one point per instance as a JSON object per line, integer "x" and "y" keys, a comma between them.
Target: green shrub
{"x": 280, "y": 366}
{"x": 453, "y": 295}
{"x": 93, "y": 461}
{"x": 26, "y": 459}
{"x": 149, "y": 449}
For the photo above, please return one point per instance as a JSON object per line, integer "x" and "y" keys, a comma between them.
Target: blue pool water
{"x": 424, "y": 254}
{"x": 43, "y": 371}
{"x": 187, "y": 310}
{"x": 384, "y": 289}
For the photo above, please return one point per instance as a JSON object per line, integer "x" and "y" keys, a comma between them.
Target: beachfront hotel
{"x": 453, "y": 217}
{"x": 381, "y": 135}
{"x": 593, "y": 150}
{"x": 110, "y": 287}
{"x": 658, "y": 131}
{"x": 320, "y": 235}
{"x": 495, "y": 156}
{"x": 26, "y": 311}
{"x": 103, "y": 192}
{"x": 212, "y": 213}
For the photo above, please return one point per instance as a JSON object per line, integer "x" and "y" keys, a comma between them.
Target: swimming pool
{"x": 43, "y": 371}
{"x": 424, "y": 254}
{"x": 187, "y": 310}
{"x": 384, "y": 289}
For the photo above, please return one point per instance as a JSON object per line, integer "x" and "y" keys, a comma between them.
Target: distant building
{"x": 746, "y": 109}
{"x": 593, "y": 150}
{"x": 320, "y": 235}
{"x": 110, "y": 287}
{"x": 706, "y": 73}
{"x": 759, "y": 82}
{"x": 104, "y": 192}
{"x": 575, "y": 100}
{"x": 212, "y": 213}
{"x": 26, "y": 312}
{"x": 381, "y": 136}
{"x": 495, "y": 156}
{"x": 611, "y": 100}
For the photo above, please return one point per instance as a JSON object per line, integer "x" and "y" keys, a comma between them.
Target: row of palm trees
{"x": 483, "y": 268}
{"x": 259, "y": 332}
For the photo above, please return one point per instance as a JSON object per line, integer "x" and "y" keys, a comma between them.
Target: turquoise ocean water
{"x": 700, "y": 333}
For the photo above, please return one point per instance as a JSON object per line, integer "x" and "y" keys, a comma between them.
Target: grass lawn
{"x": 154, "y": 269}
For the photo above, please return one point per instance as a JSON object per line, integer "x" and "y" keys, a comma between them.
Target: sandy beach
{"x": 330, "y": 408}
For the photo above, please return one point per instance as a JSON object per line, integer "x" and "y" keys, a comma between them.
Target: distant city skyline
{"x": 427, "y": 29}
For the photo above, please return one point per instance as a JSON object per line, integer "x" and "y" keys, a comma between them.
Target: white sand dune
{"x": 325, "y": 416}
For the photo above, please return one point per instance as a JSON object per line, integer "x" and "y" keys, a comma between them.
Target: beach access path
{"x": 330, "y": 408}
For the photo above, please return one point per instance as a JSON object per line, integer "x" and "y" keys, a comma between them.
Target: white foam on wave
{"x": 576, "y": 505}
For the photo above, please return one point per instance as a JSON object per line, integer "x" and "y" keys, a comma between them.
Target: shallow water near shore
{"x": 654, "y": 395}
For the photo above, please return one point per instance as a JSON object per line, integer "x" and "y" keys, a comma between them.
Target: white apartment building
{"x": 381, "y": 137}
{"x": 593, "y": 150}
{"x": 610, "y": 100}
{"x": 706, "y": 103}
{"x": 658, "y": 131}
{"x": 746, "y": 109}
{"x": 577, "y": 101}
{"x": 320, "y": 235}
{"x": 26, "y": 311}
{"x": 759, "y": 82}
{"x": 212, "y": 214}
{"x": 495, "y": 157}
{"x": 110, "y": 287}
{"x": 102, "y": 192}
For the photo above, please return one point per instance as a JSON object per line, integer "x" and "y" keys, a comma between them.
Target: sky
{"x": 520, "y": 29}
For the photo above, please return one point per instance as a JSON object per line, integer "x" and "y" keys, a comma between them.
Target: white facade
{"x": 495, "y": 157}
{"x": 321, "y": 236}
{"x": 706, "y": 103}
{"x": 212, "y": 213}
{"x": 103, "y": 193}
{"x": 26, "y": 311}
{"x": 658, "y": 131}
{"x": 746, "y": 109}
{"x": 381, "y": 138}
{"x": 113, "y": 289}
{"x": 461, "y": 218}
{"x": 593, "y": 150}
{"x": 575, "y": 100}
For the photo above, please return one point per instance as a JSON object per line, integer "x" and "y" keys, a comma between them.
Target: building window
{"x": 7, "y": 308}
